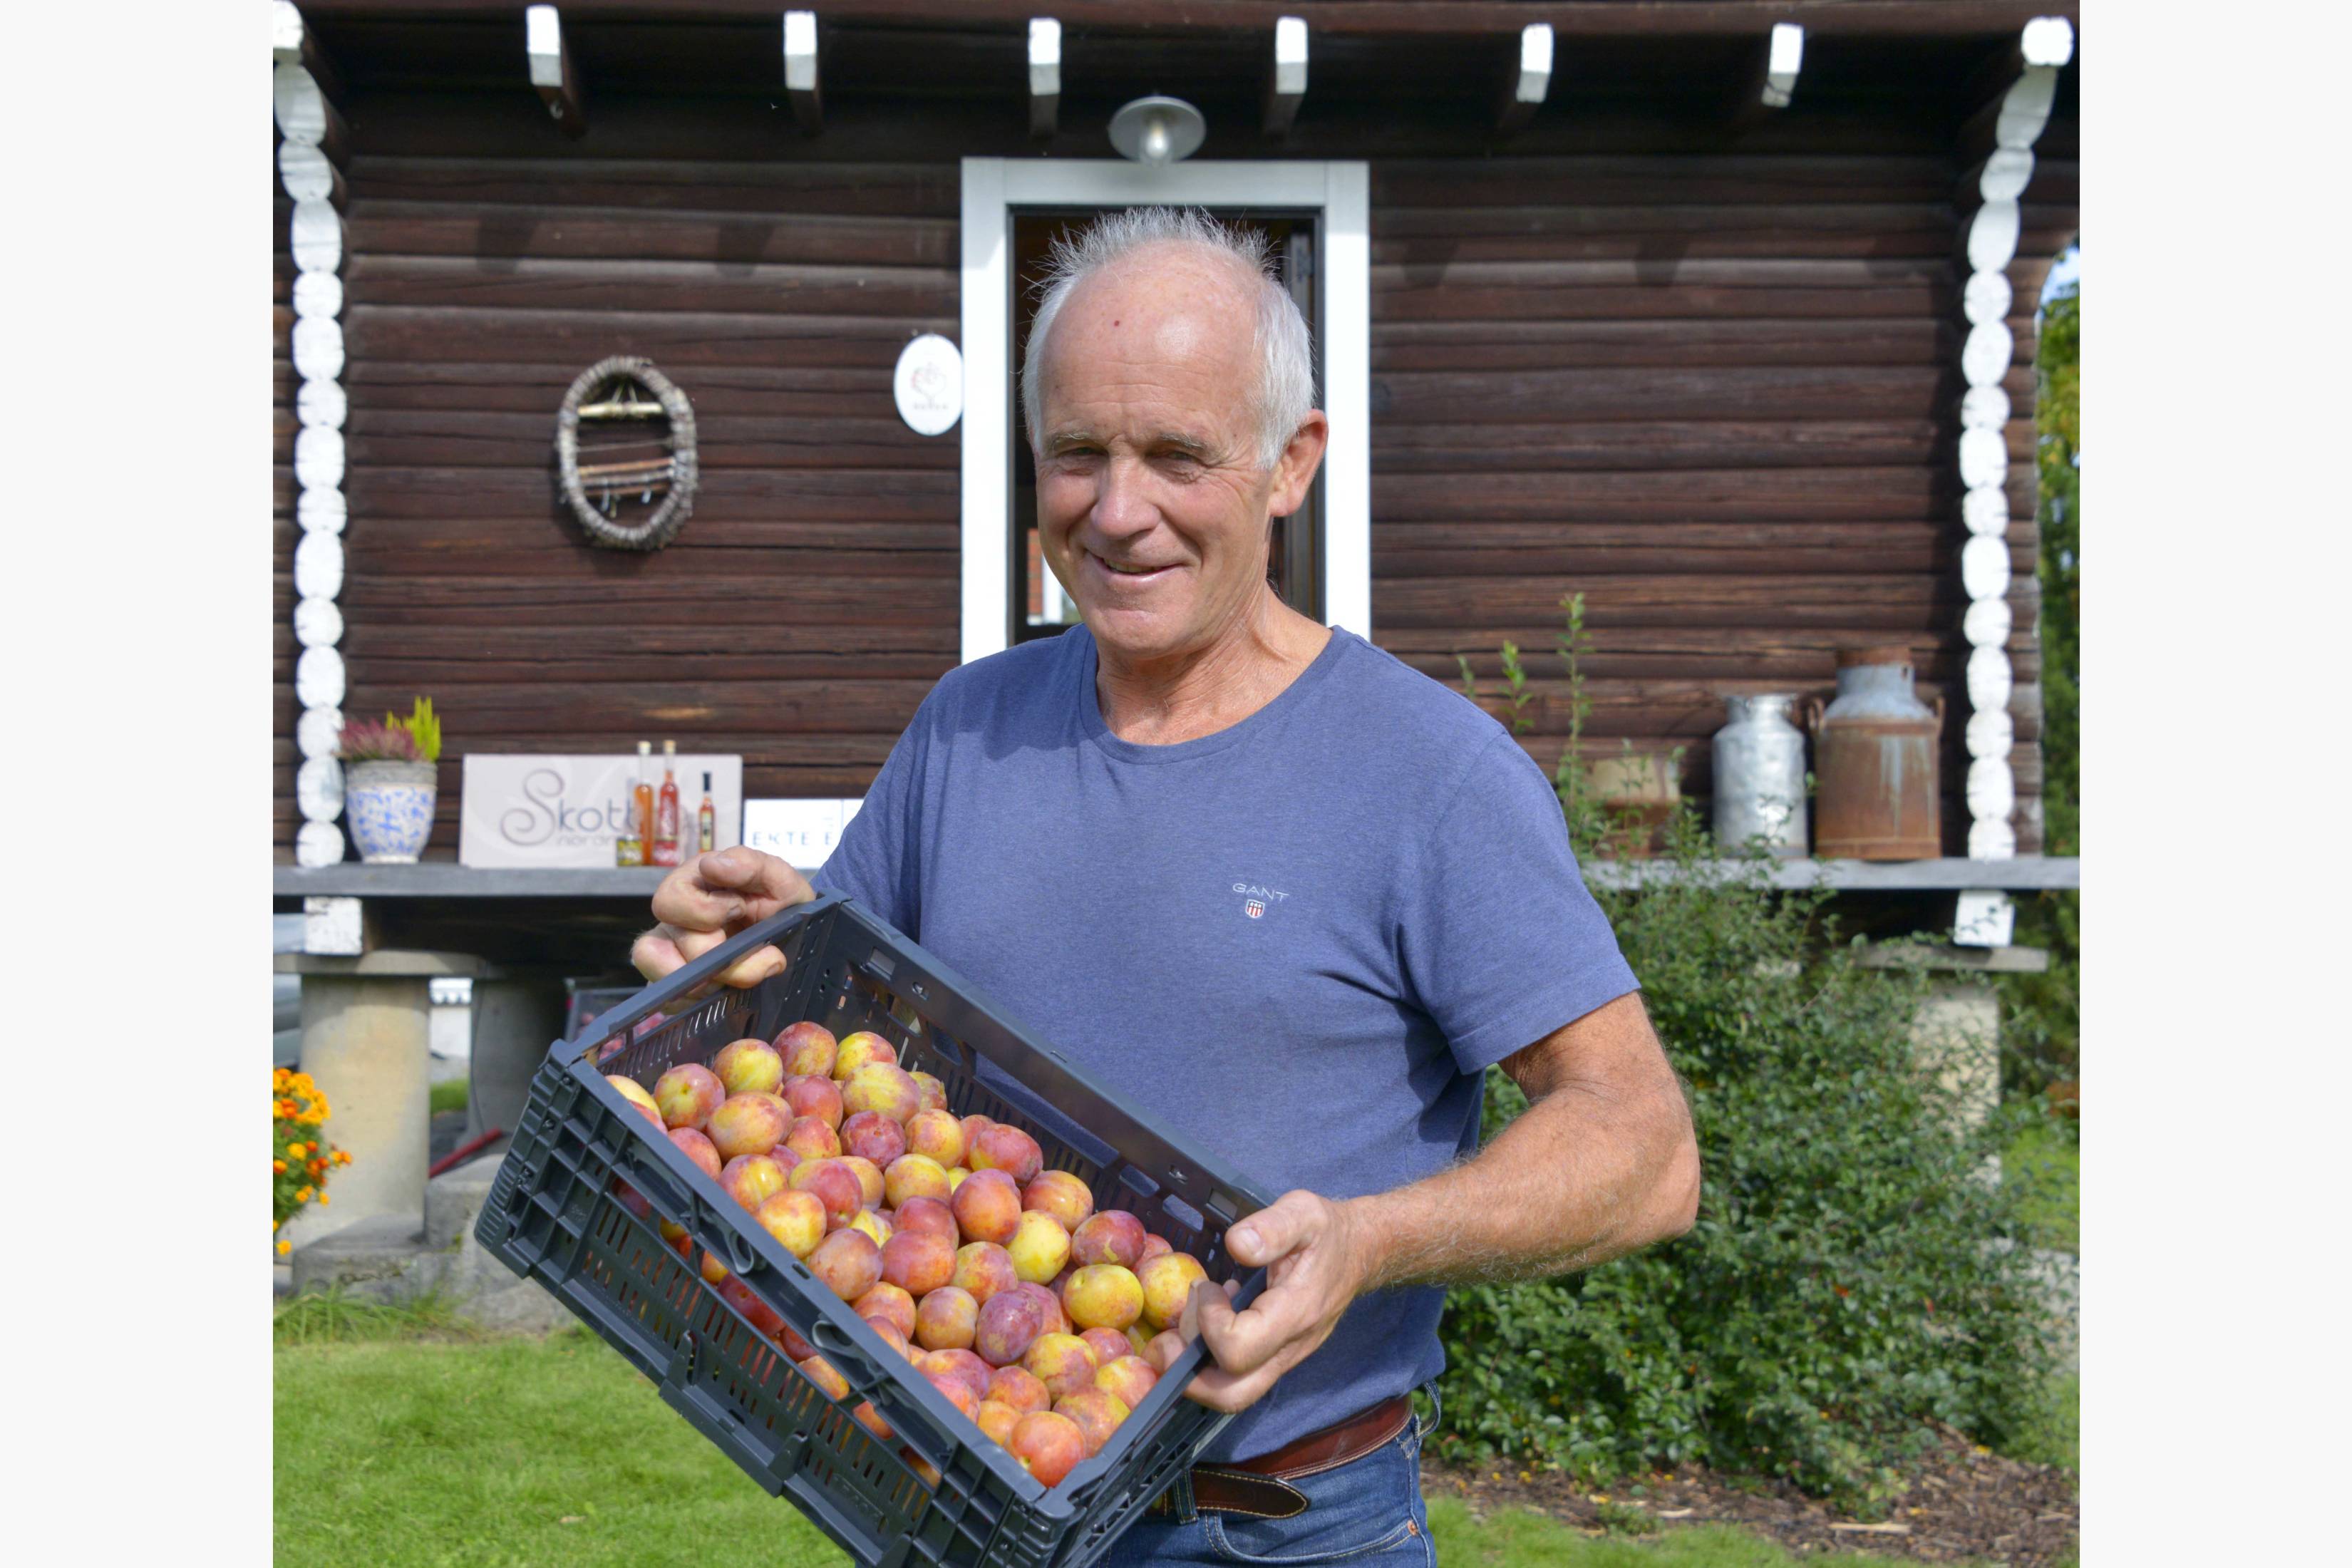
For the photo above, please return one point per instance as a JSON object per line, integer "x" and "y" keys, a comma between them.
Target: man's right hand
{"x": 711, "y": 898}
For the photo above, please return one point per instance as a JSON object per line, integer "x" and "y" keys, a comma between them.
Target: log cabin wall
{"x": 1716, "y": 395}
{"x": 1705, "y": 375}
{"x": 283, "y": 532}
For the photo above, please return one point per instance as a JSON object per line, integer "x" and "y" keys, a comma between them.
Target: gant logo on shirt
{"x": 1255, "y": 899}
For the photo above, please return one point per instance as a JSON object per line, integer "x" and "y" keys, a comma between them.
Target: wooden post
{"x": 800, "y": 71}
{"x": 552, "y": 76}
{"x": 1287, "y": 83}
{"x": 292, "y": 44}
{"x": 1525, "y": 87}
{"x": 2017, "y": 89}
{"x": 1045, "y": 76}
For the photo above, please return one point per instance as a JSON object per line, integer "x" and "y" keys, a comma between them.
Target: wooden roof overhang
{"x": 1385, "y": 77}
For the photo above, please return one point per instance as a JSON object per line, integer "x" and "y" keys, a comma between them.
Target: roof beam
{"x": 1288, "y": 84}
{"x": 1045, "y": 76}
{"x": 552, "y": 76}
{"x": 2016, "y": 88}
{"x": 1769, "y": 81}
{"x": 800, "y": 71}
{"x": 1528, "y": 83}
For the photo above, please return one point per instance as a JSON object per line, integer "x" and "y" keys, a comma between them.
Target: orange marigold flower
{"x": 298, "y": 1150}
{"x": 325, "y": 1199}
{"x": 318, "y": 1167}
{"x": 284, "y": 1248}
{"x": 278, "y": 1166}
{"x": 302, "y": 1194}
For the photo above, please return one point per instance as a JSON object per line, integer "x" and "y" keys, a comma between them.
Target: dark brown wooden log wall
{"x": 809, "y": 603}
{"x": 1718, "y": 396}
{"x": 285, "y": 819}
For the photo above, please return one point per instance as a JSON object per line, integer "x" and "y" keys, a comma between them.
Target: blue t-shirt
{"x": 1296, "y": 944}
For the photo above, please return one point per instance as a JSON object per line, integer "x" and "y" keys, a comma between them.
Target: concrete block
{"x": 380, "y": 1259}
{"x": 453, "y": 1198}
{"x": 364, "y": 1042}
{"x": 1956, "y": 1034}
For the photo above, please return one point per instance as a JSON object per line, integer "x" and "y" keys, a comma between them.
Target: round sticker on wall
{"x": 929, "y": 384}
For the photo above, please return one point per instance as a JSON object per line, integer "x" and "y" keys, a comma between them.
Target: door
{"x": 1038, "y": 608}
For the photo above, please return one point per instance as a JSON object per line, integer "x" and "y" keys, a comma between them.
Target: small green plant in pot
{"x": 389, "y": 784}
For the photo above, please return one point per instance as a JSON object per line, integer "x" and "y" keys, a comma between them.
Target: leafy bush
{"x": 1849, "y": 1277}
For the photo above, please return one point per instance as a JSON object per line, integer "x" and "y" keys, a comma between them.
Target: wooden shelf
{"x": 444, "y": 881}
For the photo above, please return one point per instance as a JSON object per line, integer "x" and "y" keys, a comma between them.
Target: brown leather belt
{"x": 1258, "y": 1487}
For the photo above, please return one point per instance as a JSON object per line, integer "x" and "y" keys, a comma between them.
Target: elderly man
{"x": 1259, "y": 877}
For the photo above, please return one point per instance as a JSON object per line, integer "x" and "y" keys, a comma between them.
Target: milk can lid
{"x": 1877, "y": 654}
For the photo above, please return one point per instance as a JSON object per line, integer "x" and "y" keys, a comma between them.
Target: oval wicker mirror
{"x": 632, "y": 482}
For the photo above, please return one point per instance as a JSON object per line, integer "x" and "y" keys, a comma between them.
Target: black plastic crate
{"x": 557, "y": 1214}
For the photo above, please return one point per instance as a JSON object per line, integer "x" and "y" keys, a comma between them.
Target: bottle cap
{"x": 670, "y": 748}
{"x": 645, "y": 748}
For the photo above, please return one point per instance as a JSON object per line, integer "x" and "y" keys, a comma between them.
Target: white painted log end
{"x": 1290, "y": 56}
{"x": 1044, "y": 58}
{"x": 321, "y": 404}
{"x": 318, "y": 575}
{"x": 2025, "y": 108}
{"x": 319, "y": 676}
{"x": 2048, "y": 41}
{"x": 305, "y": 172}
{"x": 1535, "y": 63}
{"x": 299, "y": 106}
{"x": 318, "y": 294}
{"x": 1984, "y": 408}
{"x": 1986, "y": 512}
{"x": 321, "y": 511}
{"x": 285, "y": 32}
{"x": 317, "y": 732}
{"x": 1989, "y": 681}
{"x": 1984, "y": 566}
{"x": 318, "y": 458}
{"x": 2005, "y": 173}
{"x": 799, "y": 51}
{"x": 317, "y": 237}
{"x": 1987, "y": 296}
{"x": 317, "y": 623}
{"x": 319, "y": 843}
{"x": 317, "y": 348}
{"x": 1991, "y": 733}
{"x": 543, "y": 28}
{"x": 1987, "y": 623}
{"x": 1991, "y": 840}
{"x": 318, "y": 789}
{"x": 1992, "y": 789}
{"x": 1992, "y": 236}
{"x": 1985, "y": 357}
{"x": 1984, "y": 458}
{"x": 1784, "y": 56}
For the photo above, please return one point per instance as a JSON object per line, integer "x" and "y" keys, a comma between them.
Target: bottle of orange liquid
{"x": 640, "y": 801}
{"x": 666, "y": 809}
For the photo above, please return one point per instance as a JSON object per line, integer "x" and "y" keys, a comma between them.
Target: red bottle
{"x": 666, "y": 809}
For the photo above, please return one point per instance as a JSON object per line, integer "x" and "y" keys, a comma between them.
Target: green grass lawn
{"x": 449, "y": 1095}
{"x": 465, "y": 1453}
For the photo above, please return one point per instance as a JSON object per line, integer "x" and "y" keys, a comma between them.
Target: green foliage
{"x": 1520, "y": 1538}
{"x": 334, "y": 1317}
{"x": 2042, "y": 1013}
{"x": 415, "y": 739}
{"x": 1845, "y": 1283}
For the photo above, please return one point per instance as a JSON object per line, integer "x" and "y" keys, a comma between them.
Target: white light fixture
{"x": 1158, "y": 130}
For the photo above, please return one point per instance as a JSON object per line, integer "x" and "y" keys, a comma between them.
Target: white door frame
{"x": 993, "y": 186}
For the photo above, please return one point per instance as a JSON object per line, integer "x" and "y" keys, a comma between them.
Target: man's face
{"x": 1151, "y": 508}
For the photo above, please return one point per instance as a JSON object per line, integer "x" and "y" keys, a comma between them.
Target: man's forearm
{"x": 1590, "y": 1172}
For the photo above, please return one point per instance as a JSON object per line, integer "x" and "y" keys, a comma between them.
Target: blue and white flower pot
{"x": 389, "y": 806}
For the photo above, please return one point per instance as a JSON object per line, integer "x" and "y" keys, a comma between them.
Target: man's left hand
{"x": 1317, "y": 1261}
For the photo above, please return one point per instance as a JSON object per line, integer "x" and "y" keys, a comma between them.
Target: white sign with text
{"x": 545, "y": 810}
{"x": 801, "y": 833}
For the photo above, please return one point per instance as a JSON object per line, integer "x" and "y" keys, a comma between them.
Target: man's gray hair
{"x": 1285, "y": 389}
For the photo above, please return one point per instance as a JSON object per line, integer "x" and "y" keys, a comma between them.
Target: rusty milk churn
{"x": 1759, "y": 777}
{"x": 1874, "y": 757}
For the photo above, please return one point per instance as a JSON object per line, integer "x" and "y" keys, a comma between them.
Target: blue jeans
{"x": 1366, "y": 1513}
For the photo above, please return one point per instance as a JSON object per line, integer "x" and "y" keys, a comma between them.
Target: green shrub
{"x": 1848, "y": 1279}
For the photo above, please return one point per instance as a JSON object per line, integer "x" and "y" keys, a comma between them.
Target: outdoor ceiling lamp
{"x": 1158, "y": 129}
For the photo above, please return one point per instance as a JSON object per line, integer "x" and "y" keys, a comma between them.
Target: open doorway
{"x": 1295, "y": 551}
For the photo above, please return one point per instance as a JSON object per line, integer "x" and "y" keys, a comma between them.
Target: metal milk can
{"x": 1874, "y": 761}
{"x": 1759, "y": 777}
